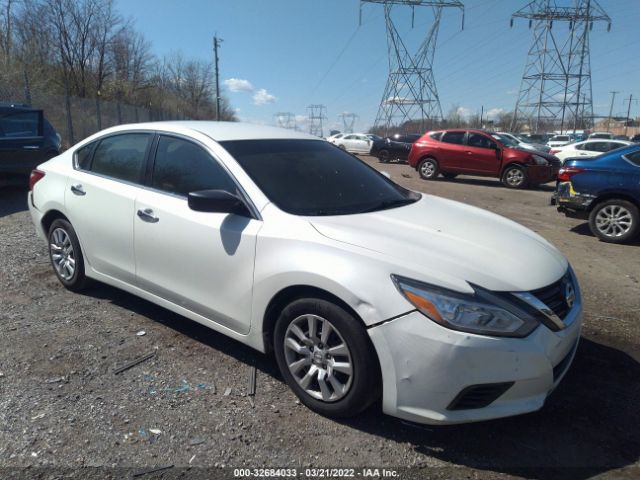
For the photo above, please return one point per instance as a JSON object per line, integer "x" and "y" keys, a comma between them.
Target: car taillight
{"x": 565, "y": 173}
{"x": 35, "y": 177}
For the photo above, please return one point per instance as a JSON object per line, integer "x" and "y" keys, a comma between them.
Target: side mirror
{"x": 217, "y": 201}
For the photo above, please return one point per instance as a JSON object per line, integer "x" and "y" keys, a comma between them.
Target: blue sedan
{"x": 604, "y": 189}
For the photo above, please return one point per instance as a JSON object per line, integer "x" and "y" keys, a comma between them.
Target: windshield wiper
{"x": 386, "y": 204}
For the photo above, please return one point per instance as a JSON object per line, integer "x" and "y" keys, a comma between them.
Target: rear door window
{"x": 182, "y": 167}
{"x": 454, "y": 137}
{"x": 122, "y": 156}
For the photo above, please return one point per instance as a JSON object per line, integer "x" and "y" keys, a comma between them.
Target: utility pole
{"x": 316, "y": 116}
{"x": 216, "y": 43}
{"x": 481, "y": 115}
{"x": 613, "y": 97}
{"x": 626, "y": 123}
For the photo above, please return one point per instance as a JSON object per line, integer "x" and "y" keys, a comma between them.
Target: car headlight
{"x": 538, "y": 160}
{"x": 482, "y": 312}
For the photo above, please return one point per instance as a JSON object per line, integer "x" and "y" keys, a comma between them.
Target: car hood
{"x": 439, "y": 238}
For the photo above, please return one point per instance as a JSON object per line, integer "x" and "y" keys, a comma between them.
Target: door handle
{"x": 469, "y": 153}
{"x": 31, "y": 147}
{"x": 147, "y": 215}
{"x": 78, "y": 190}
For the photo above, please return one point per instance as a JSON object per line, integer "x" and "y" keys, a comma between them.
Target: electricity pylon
{"x": 556, "y": 84}
{"x": 286, "y": 120}
{"x": 348, "y": 121}
{"x": 316, "y": 117}
{"x": 411, "y": 92}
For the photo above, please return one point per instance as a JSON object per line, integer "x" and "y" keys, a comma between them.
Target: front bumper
{"x": 425, "y": 367}
{"x": 542, "y": 173}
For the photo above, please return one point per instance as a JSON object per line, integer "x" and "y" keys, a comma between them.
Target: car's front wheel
{"x": 66, "y": 256}
{"x": 514, "y": 176}
{"x": 615, "y": 221}
{"x": 326, "y": 357}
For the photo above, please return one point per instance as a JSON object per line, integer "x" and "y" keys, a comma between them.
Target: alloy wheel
{"x": 62, "y": 254}
{"x": 614, "y": 220}
{"x": 427, "y": 169}
{"x": 318, "y": 358}
{"x": 515, "y": 177}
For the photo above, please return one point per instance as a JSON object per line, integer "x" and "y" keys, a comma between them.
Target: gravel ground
{"x": 61, "y": 405}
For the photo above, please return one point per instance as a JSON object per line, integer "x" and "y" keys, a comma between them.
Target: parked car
{"x": 396, "y": 147}
{"x": 559, "y": 141}
{"x": 587, "y": 148}
{"x": 280, "y": 241}
{"x": 476, "y": 152}
{"x": 538, "y": 138}
{"x": 621, "y": 137}
{"x": 601, "y": 135}
{"x": 355, "y": 143}
{"x": 636, "y": 138}
{"x": 26, "y": 140}
{"x": 526, "y": 145}
{"x": 335, "y": 137}
{"x": 606, "y": 191}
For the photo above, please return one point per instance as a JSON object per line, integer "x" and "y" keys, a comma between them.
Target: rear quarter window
{"x": 436, "y": 135}
{"x": 634, "y": 157}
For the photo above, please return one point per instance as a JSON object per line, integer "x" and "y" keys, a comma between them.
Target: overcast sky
{"x": 282, "y": 55}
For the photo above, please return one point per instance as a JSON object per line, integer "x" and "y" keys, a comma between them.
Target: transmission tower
{"x": 286, "y": 120}
{"x": 556, "y": 84}
{"x": 411, "y": 92}
{"x": 316, "y": 117}
{"x": 348, "y": 121}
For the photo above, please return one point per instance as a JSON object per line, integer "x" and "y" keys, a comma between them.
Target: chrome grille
{"x": 553, "y": 296}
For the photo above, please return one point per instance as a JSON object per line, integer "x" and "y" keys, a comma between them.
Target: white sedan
{"x": 285, "y": 243}
{"x": 588, "y": 148}
{"x": 355, "y": 143}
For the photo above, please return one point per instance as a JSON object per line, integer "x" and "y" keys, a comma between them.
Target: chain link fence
{"x": 77, "y": 118}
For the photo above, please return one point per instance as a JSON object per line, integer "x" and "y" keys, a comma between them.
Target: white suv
{"x": 288, "y": 244}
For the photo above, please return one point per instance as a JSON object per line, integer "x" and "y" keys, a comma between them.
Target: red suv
{"x": 476, "y": 152}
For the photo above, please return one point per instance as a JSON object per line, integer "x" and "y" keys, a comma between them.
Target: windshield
{"x": 507, "y": 141}
{"x": 310, "y": 177}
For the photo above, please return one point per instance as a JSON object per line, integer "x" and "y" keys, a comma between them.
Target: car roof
{"x": 219, "y": 131}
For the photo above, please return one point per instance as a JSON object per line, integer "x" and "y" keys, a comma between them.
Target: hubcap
{"x": 613, "y": 220}
{"x": 318, "y": 358}
{"x": 515, "y": 177}
{"x": 427, "y": 169}
{"x": 62, "y": 254}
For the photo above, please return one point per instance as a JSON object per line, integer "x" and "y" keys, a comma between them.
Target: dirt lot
{"x": 62, "y": 406}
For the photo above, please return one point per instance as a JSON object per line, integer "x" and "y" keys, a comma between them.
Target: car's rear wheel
{"x": 66, "y": 256}
{"x": 342, "y": 147}
{"x": 514, "y": 176}
{"x": 428, "y": 168}
{"x": 384, "y": 156}
{"x": 615, "y": 221}
{"x": 449, "y": 176}
{"x": 326, "y": 357}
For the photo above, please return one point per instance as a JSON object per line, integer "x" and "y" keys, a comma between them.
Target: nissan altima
{"x": 361, "y": 288}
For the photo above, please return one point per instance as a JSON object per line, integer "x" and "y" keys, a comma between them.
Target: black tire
{"x": 449, "y": 176}
{"x": 342, "y": 147}
{"x": 384, "y": 156}
{"x": 515, "y": 176}
{"x": 58, "y": 231}
{"x": 615, "y": 221}
{"x": 364, "y": 386}
{"x": 428, "y": 168}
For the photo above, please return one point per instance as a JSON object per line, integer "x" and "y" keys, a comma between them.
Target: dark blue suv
{"x": 27, "y": 139}
{"x": 606, "y": 190}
